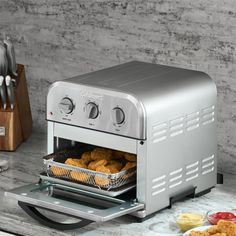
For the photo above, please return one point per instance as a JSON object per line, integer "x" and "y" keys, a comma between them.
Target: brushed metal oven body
{"x": 170, "y": 123}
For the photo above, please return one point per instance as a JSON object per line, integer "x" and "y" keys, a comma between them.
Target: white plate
{"x": 201, "y": 228}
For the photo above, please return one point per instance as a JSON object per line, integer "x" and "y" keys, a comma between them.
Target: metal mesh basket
{"x": 55, "y": 167}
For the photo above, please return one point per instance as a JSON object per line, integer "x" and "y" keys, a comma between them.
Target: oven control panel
{"x": 92, "y": 110}
{"x": 96, "y": 108}
{"x": 66, "y": 105}
{"x": 118, "y": 116}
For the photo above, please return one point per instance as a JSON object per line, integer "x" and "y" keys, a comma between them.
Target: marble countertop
{"x": 25, "y": 166}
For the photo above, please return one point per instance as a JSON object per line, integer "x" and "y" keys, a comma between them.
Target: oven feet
{"x": 187, "y": 194}
{"x": 140, "y": 220}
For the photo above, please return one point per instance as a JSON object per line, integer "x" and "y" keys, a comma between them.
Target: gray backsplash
{"x": 59, "y": 39}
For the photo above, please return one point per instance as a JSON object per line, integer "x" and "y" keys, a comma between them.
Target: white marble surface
{"x": 25, "y": 165}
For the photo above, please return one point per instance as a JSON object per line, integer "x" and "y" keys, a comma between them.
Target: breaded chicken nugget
{"x": 57, "y": 171}
{"x": 227, "y": 227}
{"x": 219, "y": 234}
{"x": 198, "y": 233}
{"x": 94, "y": 164}
{"x": 86, "y": 157}
{"x": 101, "y": 154}
{"x": 112, "y": 169}
{"x": 76, "y": 162}
{"x": 129, "y": 165}
{"x": 118, "y": 154}
{"x": 116, "y": 164}
{"x": 130, "y": 157}
{"x": 102, "y": 181}
{"x": 82, "y": 177}
{"x": 213, "y": 230}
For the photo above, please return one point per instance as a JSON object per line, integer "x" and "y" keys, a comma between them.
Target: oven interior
{"x": 78, "y": 192}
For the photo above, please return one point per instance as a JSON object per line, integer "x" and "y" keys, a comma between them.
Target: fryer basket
{"x": 55, "y": 167}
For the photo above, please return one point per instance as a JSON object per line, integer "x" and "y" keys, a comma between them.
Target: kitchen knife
{"x": 10, "y": 91}
{"x": 10, "y": 57}
{"x": 3, "y": 60}
{"x": 3, "y": 95}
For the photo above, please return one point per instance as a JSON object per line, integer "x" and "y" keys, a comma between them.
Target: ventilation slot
{"x": 208, "y": 164}
{"x": 192, "y": 121}
{"x": 159, "y": 133}
{"x": 176, "y": 127}
{"x": 176, "y": 177}
{"x": 158, "y": 185}
{"x": 208, "y": 115}
{"x": 192, "y": 171}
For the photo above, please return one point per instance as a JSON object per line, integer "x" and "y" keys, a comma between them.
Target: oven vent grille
{"x": 178, "y": 126}
{"x": 208, "y": 164}
{"x": 181, "y": 175}
{"x": 208, "y": 115}
{"x": 159, "y": 132}
{"x": 158, "y": 185}
{"x": 192, "y": 171}
{"x": 175, "y": 178}
{"x": 192, "y": 121}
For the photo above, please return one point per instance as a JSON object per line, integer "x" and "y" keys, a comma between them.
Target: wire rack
{"x": 55, "y": 167}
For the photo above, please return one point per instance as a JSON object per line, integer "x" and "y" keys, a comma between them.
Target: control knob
{"x": 66, "y": 105}
{"x": 118, "y": 115}
{"x": 92, "y": 110}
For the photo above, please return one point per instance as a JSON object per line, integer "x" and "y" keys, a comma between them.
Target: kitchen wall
{"x": 58, "y": 39}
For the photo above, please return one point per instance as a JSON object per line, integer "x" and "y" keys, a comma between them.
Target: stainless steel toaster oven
{"x": 164, "y": 116}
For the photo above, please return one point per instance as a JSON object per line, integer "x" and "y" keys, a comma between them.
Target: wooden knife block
{"x": 16, "y": 124}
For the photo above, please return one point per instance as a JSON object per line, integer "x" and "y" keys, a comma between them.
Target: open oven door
{"x": 84, "y": 205}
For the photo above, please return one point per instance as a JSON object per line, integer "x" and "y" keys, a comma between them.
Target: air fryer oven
{"x": 164, "y": 115}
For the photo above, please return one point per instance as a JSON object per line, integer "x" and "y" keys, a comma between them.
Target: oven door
{"x": 84, "y": 205}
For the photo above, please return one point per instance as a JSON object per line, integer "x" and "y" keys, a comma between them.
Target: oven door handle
{"x": 37, "y": 215}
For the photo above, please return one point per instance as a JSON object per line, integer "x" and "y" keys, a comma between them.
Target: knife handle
{"x": 10, "y": 91}
{"x": 3, "y": 95}
{"x": 3, "y": 60}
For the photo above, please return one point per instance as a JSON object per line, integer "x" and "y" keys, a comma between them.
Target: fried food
{"x": 118, "y": 154}
{"x": 223, "y": 228}
{"x": 71, "y": 161}
{"x": 58, "y": 171}
{"x": 114, "y": 166}
{"x": 101, "y": 160}
{"x": 204, "y": 233}
{"x": 76, "y": 162}
{"x": 227, "y": 227}
{"x": 118, "y": 165}
{"x": 86, "y": 157}
{"x": 198, "y": 233}
{"x": 213, "y": 230}
{"x": 220, "y": 234}
{"x": 99, "y": 180}
{"x": 101, "y": 154}
{"x": 129, "y": 165}
{"x": 82, "y": 177}
{"x": 112, "y": 169}
{"x": 94, "y": 164}
{"x": 130, "y": 157}
{"x": 103, "y": 169}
